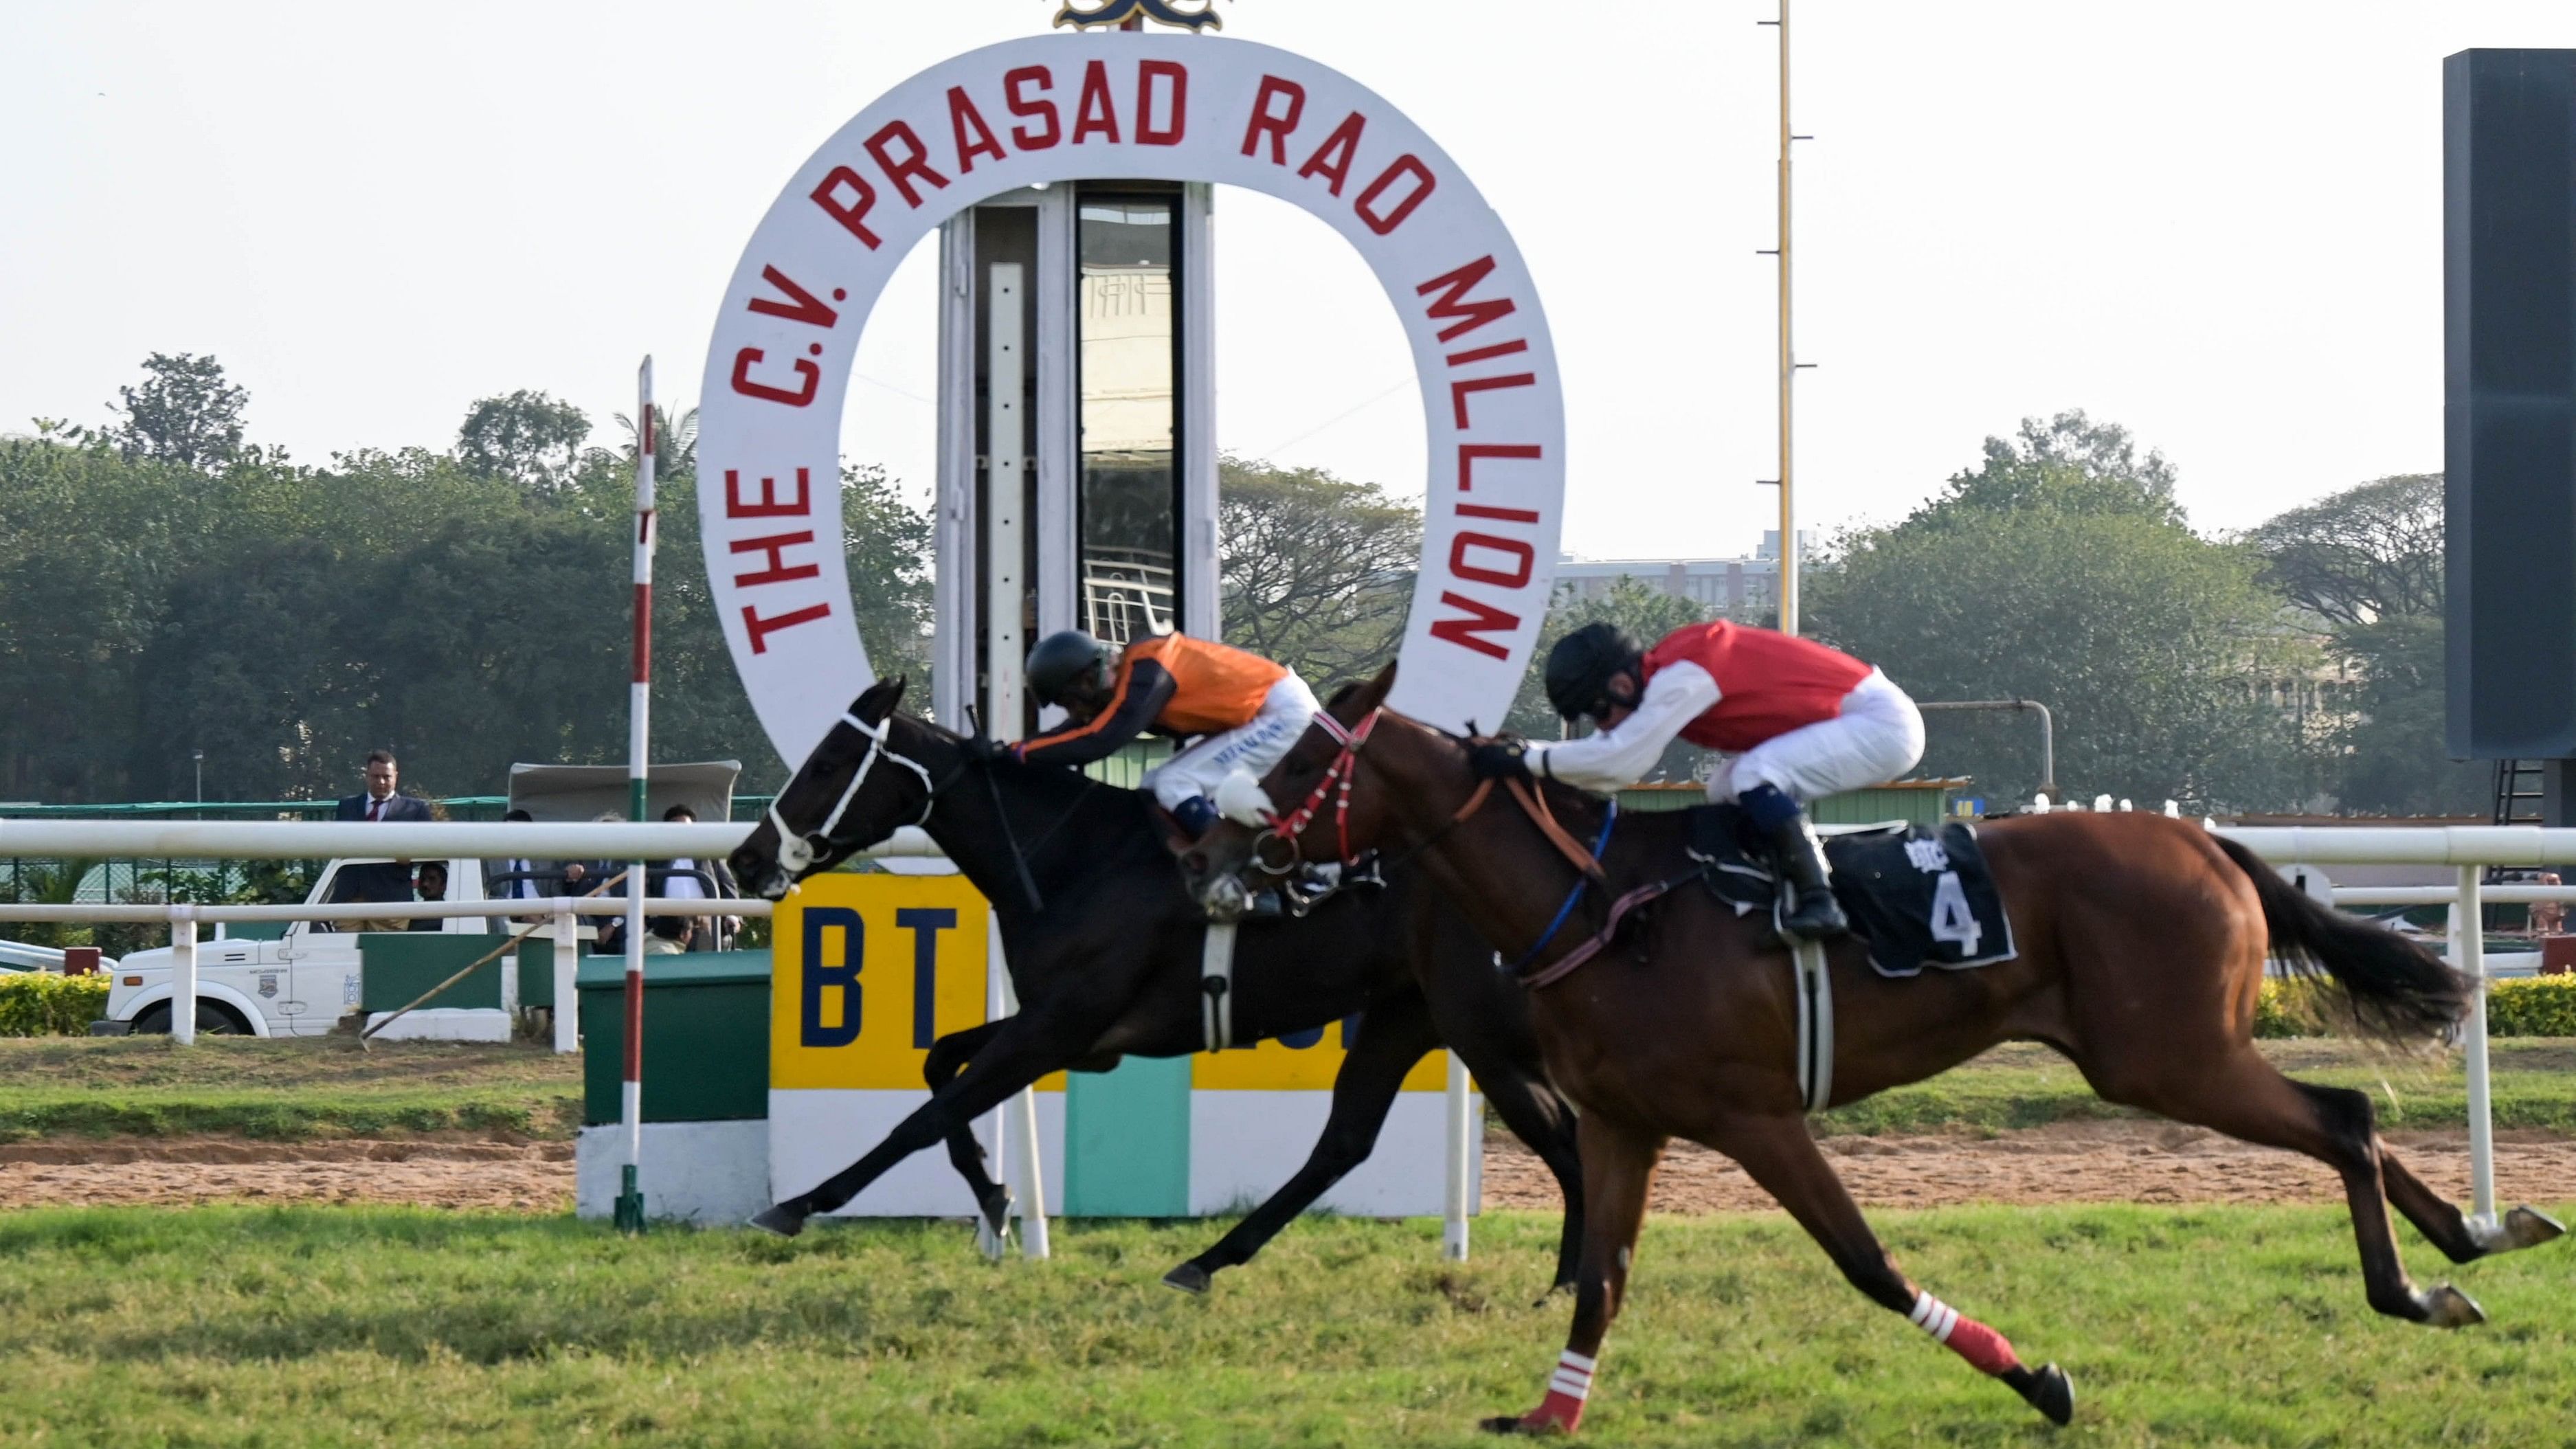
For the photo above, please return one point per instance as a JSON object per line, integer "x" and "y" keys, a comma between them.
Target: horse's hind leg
{"x": 2440, "y": 1220}
{"x": 2245, "y": 1097}
{"x": 1780, "y": 1154}
{"x": 946, "y": 1058}
{"x": 1618, "y": 1166}
{"x": 1392, "y": 1037}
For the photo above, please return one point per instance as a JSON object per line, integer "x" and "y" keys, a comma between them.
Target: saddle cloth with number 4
{"x": 1918, "y": 897}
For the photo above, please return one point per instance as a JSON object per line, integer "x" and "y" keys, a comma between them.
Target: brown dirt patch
{"x": 2071, "y": 1162}
{"x": 444, "y": 1170}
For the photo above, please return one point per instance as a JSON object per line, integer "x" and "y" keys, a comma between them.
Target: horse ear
{"x": 878, "y": 700}
{"x": 1374, "y": 693}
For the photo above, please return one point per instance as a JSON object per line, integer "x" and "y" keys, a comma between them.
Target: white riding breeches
{"x": 1253, "y": 748}
{"x": 1877, "y": 737}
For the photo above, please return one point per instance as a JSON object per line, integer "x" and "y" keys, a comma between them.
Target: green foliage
{"x": 2369, "y": 552}
{"x": 2392, "y": 756}
{"x": 186, "y": 413}
{"x": 2540, "y": 1006}
{"x": 1318, "y": 570}
{"x": 2049, "y": 573}
{"x": 288, "y": 619}
{"x": 526, "y": 437}
{"x": 307, "y": 1326}
{"x": 42, "y": 1003}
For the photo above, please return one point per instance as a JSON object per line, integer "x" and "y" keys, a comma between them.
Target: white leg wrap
{"x": 1573, "y": 1377}
{"x": 1933, "y": 1316}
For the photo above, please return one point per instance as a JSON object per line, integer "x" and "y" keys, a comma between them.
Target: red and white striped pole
{"x": 630, "y": 1195}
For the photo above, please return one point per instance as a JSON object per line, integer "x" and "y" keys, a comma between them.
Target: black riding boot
{"x": 1810, "y": 912}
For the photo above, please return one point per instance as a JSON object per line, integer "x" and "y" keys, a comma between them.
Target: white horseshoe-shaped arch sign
{"x": 1126, "y": 107}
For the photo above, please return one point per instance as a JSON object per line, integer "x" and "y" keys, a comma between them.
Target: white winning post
{"x": 1461, "y": 1123}
{"x": 183, "y": 975}
{"x": 2469, "y": 953}
{"x": 630, "y": 1196}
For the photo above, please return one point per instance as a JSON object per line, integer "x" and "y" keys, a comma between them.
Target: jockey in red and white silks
{"x": 1802, "y": 721}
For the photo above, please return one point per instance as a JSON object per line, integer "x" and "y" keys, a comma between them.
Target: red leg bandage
{"x": 1988, "y": 1351}
{"x": 1567, "y": 1388}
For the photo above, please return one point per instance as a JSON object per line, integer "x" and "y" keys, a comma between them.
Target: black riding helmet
{"x": 1064, "y": 660}
{"x": 1580, "y": 666}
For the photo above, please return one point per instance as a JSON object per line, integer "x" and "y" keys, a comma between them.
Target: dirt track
{"x": 2072, "y": 1162}
{"x": 2148, "y": 1162}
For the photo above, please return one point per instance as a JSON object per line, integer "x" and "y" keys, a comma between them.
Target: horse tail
{"x": 2396, "y": 988}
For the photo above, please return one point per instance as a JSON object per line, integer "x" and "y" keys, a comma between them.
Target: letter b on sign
{"x": 820, "y": 981}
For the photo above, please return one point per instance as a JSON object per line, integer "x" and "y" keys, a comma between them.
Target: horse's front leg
{"x": 947, "y": 1057}
{"x": 1023, "y": 1048}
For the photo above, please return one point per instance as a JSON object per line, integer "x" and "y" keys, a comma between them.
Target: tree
{"x": 2366, "y": 553}
{"x": 1644, "y": 611}
{"x": 2060, "y": 570}
{"x": 185, "y": 412}
{"x": 1318, "y": 570}
{"x": 675, "y": 441}
{"x": 526, "y": 437}
{"x": 2368, "y": 562}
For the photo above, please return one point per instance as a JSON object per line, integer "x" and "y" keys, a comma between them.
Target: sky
{"x": 2216, "y": 223}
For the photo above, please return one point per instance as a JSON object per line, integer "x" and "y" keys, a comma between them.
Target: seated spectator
{"x": 432, "y": 886}
{"x": 519, "y": 878}
{"x": 685, "y": 879}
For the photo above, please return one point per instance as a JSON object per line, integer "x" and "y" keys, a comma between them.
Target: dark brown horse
{"x": 2142, "y": 943}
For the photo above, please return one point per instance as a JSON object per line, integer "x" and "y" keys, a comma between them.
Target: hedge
{"x": 2531, "y": 1006}
{"x": 40, "y": 1003}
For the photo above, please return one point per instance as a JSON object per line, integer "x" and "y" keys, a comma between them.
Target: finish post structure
{"x": 630, "y": 1194}
{"x": 1788, "y": 360}
{"x": 2469, "y": 954}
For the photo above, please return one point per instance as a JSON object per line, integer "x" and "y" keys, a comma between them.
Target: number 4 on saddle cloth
{"x": 1918, "y": 897}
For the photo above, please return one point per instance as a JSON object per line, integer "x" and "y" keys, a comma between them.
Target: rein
{"x": 1583, "y": 883}
{"x": 796, "y": 849}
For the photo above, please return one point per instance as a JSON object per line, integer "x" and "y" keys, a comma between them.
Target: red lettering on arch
{"x": 1407, "y": 164}
{"x": 962, "y": 115}
{"x": 1147, "y": 133}
{"x": 1088, "y": 116}
{"x": 1481, "y": 619}
{"x": 851, "y": 214}
{"x": 1523, "y": 557}
{"x": 1275, "y": 125}
{"x": 1016, "y": 81}
{"x": 808, "y": 377}
{"x": 1465, "y": 387}
{"x": 1470, "y": 453}
{"x": 760, "y": 629}
{"x": 802, "y": 306}
{"x": 780, "y": 571}
{"x": 1453, "y": 288}
{"x": 914, "y": 162}
{"x": 768, "y": 504}
{"x": 1332, "y": 160}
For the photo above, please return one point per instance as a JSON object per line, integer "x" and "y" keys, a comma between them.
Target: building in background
{"x": 1744, "y": 589}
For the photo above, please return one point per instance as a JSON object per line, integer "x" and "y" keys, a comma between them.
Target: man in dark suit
{"x": 380, "y": 801}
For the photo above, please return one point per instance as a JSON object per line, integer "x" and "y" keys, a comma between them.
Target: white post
{"x": 1455, "y": 1207}
{"x": 2469, "y": 953}
{"x": 183, "y": 974}
{"x": 1012, "y": 1131}
{"x": 567, "y": 934}
{"x": 1005, "y": 449}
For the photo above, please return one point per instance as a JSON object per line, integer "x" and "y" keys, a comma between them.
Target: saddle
{"x": 1916, "y": 897}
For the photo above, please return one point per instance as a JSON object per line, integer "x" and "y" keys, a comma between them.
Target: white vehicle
{"x": 297, "y": 985}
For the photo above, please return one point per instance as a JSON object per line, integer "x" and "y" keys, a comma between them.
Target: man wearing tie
{"x": 380, "y": 802}
{"x": 519, "y": 878}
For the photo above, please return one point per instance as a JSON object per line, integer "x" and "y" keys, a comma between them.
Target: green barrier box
{"x": 706, "y": 1036}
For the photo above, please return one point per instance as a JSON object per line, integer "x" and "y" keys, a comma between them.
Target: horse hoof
{"x": 2528, "y": 1228}
{"x": 1189, "y": 1278}
{"x": 2448, "y": 1307}
{"x": 780, "y": 1220}
{"x": 2052, "y": 1393}
{"x": 996, "y": 1208}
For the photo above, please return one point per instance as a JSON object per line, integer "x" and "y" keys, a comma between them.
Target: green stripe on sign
{"x": 1127, "y": 1140}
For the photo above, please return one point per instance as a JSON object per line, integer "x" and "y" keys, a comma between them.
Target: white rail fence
{"x": 2470, "y": 848}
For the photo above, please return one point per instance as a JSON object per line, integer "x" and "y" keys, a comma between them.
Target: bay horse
{"x": 2141, "y": 950}
{"x": 1103, "y": 944}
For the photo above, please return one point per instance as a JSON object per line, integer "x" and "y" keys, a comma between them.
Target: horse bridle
{"x": 797, "y": 850}
{"x": 1344, "y": 772}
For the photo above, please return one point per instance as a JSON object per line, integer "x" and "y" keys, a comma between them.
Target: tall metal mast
{"x": 1789, "y": 364}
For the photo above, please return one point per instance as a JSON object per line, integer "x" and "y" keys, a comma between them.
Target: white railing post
{"x": 567, "y": 966}
{"x": 1454, "y": 1204}
{"x": 2468, "y": 952}
{"x": 183, "y": 974}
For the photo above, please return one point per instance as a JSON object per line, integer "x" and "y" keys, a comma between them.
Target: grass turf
{"x": 310, "y": 1326}
{"x": 326, "y": 1087}
{"x": 282, "y": 1088}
